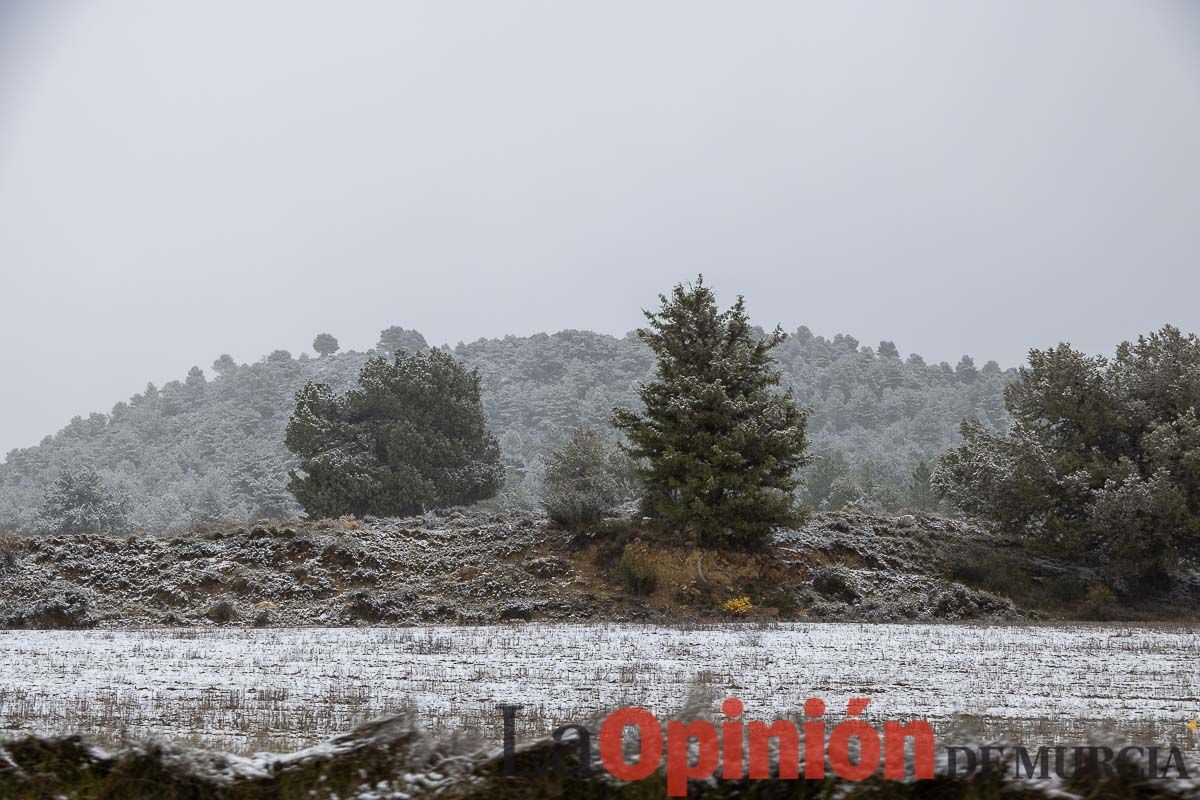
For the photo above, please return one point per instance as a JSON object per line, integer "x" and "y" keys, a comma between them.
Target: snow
{"x": 245, "y": 690}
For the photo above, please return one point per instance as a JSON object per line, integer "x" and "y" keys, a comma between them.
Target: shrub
{"x": 1068, "y": 589}
{"x": 1100, "y": 604}
{"x": 67, "y": 608}
{"x": 222, "y": 613}
{"x": 636, "y": 573}
{"x": 11, "y": 547}
{"x": 992, "y": 570}
{"x": 582, "y": 480}
{"x": 737, "y": 606}
{"x": 835, "y": 581}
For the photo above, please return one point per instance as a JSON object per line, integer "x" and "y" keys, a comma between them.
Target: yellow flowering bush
{"x": 737, "y": 606}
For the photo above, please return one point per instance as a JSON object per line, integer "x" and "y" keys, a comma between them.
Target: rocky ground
{"x": 469, "y": 566}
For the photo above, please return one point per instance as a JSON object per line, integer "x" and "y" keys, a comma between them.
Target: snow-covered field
{"x": 246, "y": 690}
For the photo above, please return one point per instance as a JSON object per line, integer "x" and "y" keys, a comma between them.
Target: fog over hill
{"x": 210, "y": 446}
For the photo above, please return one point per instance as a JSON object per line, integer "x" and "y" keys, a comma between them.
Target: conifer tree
{"x": 396, "y": 338}
{"x": 411, "y": 436}
{"x": 326, "y": 344}
{"x": 920, "y": 488}
{"x": 79, "y": 502}
{"x": 720, "y": 446}
{"x": 1102, "y": 460}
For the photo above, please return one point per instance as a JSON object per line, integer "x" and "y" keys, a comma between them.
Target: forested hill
{"x": 210, "y": 447}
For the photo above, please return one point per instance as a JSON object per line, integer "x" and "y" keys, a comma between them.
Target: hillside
{"x": 210, "y": 448}
{"x": 469, "y": 566}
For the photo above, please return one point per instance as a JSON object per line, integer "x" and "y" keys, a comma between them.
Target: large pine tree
{"x": 720, "y": 445}
{"x": 411, "y": 436}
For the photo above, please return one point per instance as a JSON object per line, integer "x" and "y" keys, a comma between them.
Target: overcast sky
{"x": 179, "y": 180}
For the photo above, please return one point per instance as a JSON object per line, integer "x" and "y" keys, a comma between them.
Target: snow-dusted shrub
{"x": 69, "y": 607}
{"x": 582, "y": 483}
{"x": 222, "y": 613}
{"x": 836, "y": 582}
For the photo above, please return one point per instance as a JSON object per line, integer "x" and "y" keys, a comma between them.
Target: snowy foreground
{"x": 244, "y": 690}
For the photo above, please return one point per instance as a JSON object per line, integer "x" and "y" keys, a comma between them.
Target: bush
{"x": 1066, "y": 589}
{"x": 582, "y": 480}
{"x": 1100, "y": 604}
{"x": 68, "y": 608}
{"x": 1134, "y": 519}
{"x": 992, "y": 570}
{"x": 222, "y": 613}
{"x": 636, "y": 573}
{"x": 737, "y": 606}
{"x": 835, "y": 581}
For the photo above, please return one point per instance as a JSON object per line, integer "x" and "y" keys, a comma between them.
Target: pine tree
{"x": 965, "y": 372}
{"x": 411, "y": 436}
{"x": 326, "y": 344}
{"x": 224, "y": 364}
{"x": 920, "y": 487}
{"x": 720, "y": 447}
{"x": 1102, "y": 459}
{"x": 394, "y": 339}
{"x": 79, "y": 502}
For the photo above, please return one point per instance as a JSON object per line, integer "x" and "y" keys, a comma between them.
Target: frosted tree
{"x": 396, "y": 339}
{"x": 721, "y": 446}
{"x": 325, "y": 344}
{"x": 412, "y": 435}
{"x": 224, "y": 364}
{"x": 79, "y": 502}
{"x": 582, "y": 479}
{"x": 1102, "y": 459}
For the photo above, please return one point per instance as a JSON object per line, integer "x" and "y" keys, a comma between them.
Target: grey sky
{"x": 179, "y": 180}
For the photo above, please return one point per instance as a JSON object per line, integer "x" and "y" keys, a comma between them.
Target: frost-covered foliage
{"x": 188, "y": 450}
{"x": 1103, "y": 456}
{"x": 210, "y": 447}
{"x": 79, "y": 502}
{"x": 395, "y": 339}
{"x": 411, "y": 436}
{"x": 585, "y": 479}
{"x": 325, "y": 344}
{"x": 719, "y": 444}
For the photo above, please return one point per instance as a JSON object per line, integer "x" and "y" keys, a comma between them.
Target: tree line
{"x": 211, "y": 447}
